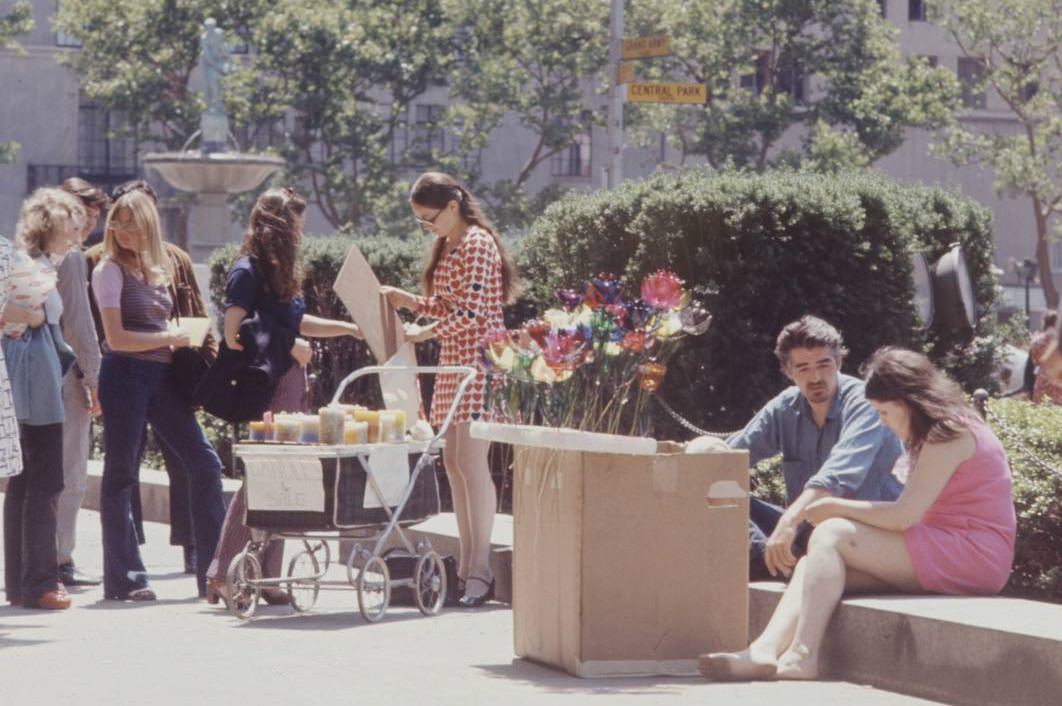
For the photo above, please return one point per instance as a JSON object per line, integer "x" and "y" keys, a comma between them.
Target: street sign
{"x": 692, "y": 93}
{"x": 644, "y": 47}
{"x": 626, "y": 72}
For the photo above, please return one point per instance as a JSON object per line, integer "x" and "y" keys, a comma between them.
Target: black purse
{"x": 189, "y": 366}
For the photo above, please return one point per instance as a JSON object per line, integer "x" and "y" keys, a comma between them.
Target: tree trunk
{"x": 1043, "y": 256}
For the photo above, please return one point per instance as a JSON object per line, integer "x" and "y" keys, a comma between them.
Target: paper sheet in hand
{"x": 399, "y": 388}
{"x": 390, "y": 467}
{"x": 197, "y": 328}
{"x": 359, "y": 290}
{"x": 284, "y": 484}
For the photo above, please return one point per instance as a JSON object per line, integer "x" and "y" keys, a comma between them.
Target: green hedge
{"x": 764, "y": 249}
{"x": 1037, "y": 494}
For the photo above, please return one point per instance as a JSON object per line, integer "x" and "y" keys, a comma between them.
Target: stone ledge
{"x": 154, "y": 491}
{"x": 964, "y": 651}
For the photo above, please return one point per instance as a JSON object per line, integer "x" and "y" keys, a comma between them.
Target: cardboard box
{"x": 629, "y": 565}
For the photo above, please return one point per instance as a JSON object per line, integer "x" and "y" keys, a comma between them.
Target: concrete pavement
{"x": 180, "y": 650}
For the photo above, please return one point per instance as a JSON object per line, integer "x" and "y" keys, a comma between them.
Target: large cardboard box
{"x": 629, "y": 564}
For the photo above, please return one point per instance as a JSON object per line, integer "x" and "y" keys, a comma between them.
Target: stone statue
{"x": 214, "y": 60}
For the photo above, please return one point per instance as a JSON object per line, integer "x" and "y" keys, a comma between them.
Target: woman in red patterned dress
{"x": 467, "y": 279}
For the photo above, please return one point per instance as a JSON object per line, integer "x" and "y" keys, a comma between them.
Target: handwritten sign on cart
{"x": 291, "y": 484}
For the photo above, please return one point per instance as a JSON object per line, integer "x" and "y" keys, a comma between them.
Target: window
{"x": 971, "y": 77}
{"x": 756, "y": 80}
{"x": 883, "y": 5}
{"x": 933, "y": 61}
{"x": 916, "y": 10}
{"x": 62, "y": 39}
{"x": 1056, "y": 256}
{"x": 98, "y": 151}
{"x": 573, "y": 160}
{"x": 427, "y": 129}
{"x": 791, "y": 81}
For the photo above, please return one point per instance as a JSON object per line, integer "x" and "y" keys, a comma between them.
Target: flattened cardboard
{"x": 359, "y": 290}
{"x": 622, "y": 567}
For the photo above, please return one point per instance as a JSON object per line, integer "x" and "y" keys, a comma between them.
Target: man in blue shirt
{"x": 831, "y": 440}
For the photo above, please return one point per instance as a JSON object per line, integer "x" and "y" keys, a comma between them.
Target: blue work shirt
{"x": 851, "y": 456}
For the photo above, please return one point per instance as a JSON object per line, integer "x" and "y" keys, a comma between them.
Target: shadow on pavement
{"x": 558, "y": 682}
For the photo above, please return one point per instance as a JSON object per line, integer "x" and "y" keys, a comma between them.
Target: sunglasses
{"x": 426, "y": 224}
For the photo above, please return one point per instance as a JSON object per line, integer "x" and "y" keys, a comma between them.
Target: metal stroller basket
{"x": 322, "y": 493}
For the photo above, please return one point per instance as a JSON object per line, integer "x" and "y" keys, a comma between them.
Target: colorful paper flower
{"x": 537, "y": 329}
{"x": 639, "y": 314}
{"x": 662, "y": 290}
{"x": 602, "y": 291}
{"x": 651, "y": 374}
{"x": 695, "y": 319}
{"x": 569, "y": 298}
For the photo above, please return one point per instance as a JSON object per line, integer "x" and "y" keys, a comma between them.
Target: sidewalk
{"x": 180, "y": 650}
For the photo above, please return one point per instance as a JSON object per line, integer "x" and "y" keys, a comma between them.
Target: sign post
{"x": 616, "y": 91}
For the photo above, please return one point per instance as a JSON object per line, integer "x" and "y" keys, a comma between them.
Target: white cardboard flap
{"x": 390, "y": 468}
{"x": 725, "y": 493}
{"x": 284, "y": 484}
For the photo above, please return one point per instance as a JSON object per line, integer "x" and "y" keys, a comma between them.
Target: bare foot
{"x": 798, "y": 663}
{"x": 747, "y": 665}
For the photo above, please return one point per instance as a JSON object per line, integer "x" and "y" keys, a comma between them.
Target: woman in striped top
{"x": 131, "y": 286}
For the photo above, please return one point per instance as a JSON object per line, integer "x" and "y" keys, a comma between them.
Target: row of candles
{"x": 334, "y": 424}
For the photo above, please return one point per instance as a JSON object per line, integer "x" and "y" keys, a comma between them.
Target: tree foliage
{"x": 810, "y": 68}
{"x": 1018, "y": 47}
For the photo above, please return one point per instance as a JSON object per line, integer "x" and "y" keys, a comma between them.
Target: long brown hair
{"x": 437, "y": 190}
{"x": 272, "y": 241}
{"x": 938, "y": 408}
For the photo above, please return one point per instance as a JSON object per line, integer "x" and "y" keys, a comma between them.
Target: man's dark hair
{"x": 808, "y": 332}
{"x": 1050, "y": 319}
{"x": 134, "y": 185}
{"x": 91, "y": 196}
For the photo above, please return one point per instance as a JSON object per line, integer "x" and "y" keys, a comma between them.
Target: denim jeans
{"x": 132, "y": 391}
{"x": 30, "y": 567}
{"x": 763, "y": 518}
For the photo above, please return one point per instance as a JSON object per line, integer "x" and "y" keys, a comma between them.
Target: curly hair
{"x": 938, "y": 408}
{"x": 43, "y": 212}
{"x": 272, "y": 241}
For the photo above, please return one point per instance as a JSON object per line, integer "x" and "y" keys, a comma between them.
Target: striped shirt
{"x": 145, "y": 307}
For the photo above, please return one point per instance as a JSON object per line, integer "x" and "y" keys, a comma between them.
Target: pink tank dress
{"x": 965, "y": 541}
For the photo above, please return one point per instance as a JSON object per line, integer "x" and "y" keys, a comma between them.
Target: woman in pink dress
{"x": 950, "y": 531}
{"x": 466, "y": 281}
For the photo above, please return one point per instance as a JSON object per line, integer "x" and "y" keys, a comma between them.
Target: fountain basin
{"x": 214, "y": 173}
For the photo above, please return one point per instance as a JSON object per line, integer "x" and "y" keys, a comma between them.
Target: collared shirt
{"x": 78, "y": 328}
{"x": 851, "y": 456}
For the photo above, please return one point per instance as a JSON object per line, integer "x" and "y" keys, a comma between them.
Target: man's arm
{"x": 762, "y": 436}
{"x": 77, "y": 324}
{"x": 862, "y": 436}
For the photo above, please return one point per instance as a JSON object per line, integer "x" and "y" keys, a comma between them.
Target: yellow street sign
{"x": 692, "y": 93}
{"x": 644, "y": 47}
{"x": 625, "y": 74}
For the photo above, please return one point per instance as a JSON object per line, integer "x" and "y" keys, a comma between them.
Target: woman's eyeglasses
{"x": 426, "y": 224}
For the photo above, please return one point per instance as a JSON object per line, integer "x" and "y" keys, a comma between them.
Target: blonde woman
{"x": 131, "y": 287}
{"x": 37, "y": 358}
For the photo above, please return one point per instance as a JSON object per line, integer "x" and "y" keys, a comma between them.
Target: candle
{"x": 373, "y": 420}
{"x": 310, "y": 429}
{"x": 257, "y": 431}
{"x": 388, "y": 428}
{"x": 331, "y": 423}
{"x": 400, "y": 422}
{"x": 285, "y": 427}
{"x": 356, "y": 433}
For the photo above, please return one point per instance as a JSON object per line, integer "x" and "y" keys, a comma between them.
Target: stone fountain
{"x": 212, "y": 172}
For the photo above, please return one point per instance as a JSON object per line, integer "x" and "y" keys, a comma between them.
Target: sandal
{"x": 467, "y": 601}
{"x": 141, "y": 594}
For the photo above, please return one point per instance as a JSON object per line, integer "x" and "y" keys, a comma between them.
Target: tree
{"x": 18, "y": 21}
{"x": 533, "y": 61}
{"x": 827, "y": 71}
{"x": 137, "y": 57}
{"x": 348, "y": 70}
{"x": 1017, "y": 47}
